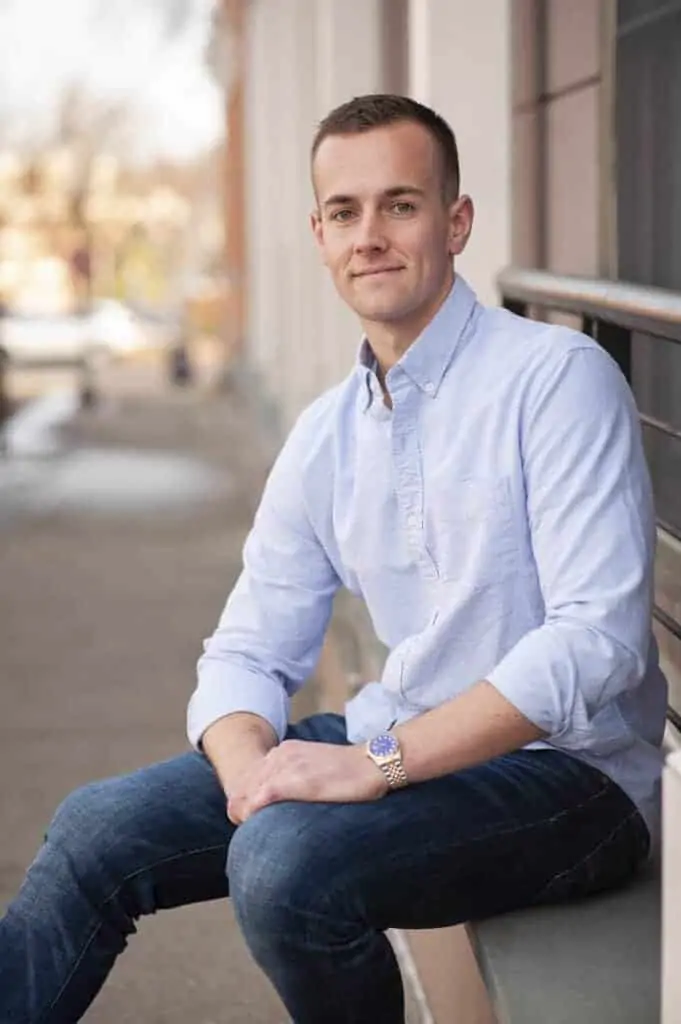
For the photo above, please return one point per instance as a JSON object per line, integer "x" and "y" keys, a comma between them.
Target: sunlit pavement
{"x": 123, "y": 542}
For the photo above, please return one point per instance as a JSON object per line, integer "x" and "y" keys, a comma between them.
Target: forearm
{"x": 235, "y": 742}
{"x": 473, "y": 727}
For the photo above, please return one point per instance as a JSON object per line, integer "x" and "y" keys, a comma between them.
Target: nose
{"x": 370, "y": 237}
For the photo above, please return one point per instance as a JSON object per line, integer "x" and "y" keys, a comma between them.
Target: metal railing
{"x": 610, "y": 312}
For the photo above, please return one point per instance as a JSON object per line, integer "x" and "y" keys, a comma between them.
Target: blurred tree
{"x": 85, "y": 126}
{"x": 92, "y": 155}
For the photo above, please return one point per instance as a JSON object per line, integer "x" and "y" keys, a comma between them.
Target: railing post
{"x": 589, "y": 326}
{"x": 617, "y": 342}
{"x": 514, "y": 306}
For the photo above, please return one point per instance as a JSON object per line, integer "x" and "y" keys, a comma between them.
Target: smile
{"x": 377, "y": 271}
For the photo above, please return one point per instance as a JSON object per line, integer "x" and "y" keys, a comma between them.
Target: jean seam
{"x": 538, "y": 825}
{"x": 607, "y": 783}
{"x": 111, "y": 896}
{"x": 590, "y": 855}
{"x": 493, "y": 834}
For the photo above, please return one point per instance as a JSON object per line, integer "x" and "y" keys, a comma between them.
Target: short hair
{"x": 363, "y": 113}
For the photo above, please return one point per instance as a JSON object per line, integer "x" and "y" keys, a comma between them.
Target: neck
{"x": 390, "y": 340}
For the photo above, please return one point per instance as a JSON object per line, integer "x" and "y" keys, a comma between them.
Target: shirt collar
{"x": 426, "y": 361}
{"x": 366, "y": 360}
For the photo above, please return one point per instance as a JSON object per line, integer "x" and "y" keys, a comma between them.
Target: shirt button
{"x": 428, "y": 386}
{"x": 413, "y": 520}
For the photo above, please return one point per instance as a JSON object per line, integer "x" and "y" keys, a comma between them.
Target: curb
{"x": 30, "y": 430}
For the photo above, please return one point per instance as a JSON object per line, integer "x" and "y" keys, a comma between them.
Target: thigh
{"x": 161, "y": 831}
{"x": 528, "y": 827}
{"x": 164, "y": 825}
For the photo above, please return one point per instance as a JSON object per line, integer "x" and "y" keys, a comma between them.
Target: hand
{"x": 306, "y": 771}
{"x": 235, "y": 744}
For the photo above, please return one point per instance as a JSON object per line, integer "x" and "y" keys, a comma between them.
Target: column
{"x": 351, "y": 63}
{"x": 459, "y": 63}
{"x": 304, "y": 58}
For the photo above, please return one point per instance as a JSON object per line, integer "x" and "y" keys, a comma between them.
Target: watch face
{"x": 383, "y": 745}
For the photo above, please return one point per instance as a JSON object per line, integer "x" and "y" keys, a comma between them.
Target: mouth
{"x": 377, "y": 271}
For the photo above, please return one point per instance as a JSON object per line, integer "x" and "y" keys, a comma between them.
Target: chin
{"x": 379, "y": 307}
{"x": 384, "y": 313}
{"x": 375, "y": 313}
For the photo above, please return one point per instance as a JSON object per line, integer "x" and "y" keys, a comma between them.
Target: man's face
{"x": 382, "y": 223}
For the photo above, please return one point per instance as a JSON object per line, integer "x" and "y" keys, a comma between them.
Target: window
{"x": 648, "y": 129}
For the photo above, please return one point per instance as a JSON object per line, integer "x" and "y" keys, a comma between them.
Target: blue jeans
{"x": 314, "y": 886}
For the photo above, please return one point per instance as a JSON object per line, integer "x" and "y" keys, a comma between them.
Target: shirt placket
{"x": 408, "y": 468}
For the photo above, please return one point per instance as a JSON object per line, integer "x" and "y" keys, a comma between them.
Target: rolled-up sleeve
{"x": 272, "y": 628}
{"x": 592, "y": 530}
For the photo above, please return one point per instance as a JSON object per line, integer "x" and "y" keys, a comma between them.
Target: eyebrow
{"x": 390, "y": 193}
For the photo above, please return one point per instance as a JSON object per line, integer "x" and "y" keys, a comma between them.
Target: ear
{"x": 318, "y": 232}
{"x": 461, "y": 215}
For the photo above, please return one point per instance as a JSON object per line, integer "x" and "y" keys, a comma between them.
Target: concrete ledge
{"x": 597, "y": 961}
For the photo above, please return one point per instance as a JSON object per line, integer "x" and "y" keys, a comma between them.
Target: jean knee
{"x": 267, "y": 868}
{"x": 90, "y": 833}
{"x": 281, "y": 879}
{"x": 77, "y": 822}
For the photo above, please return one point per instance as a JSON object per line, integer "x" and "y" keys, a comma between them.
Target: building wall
{"x": 562, "y": 82}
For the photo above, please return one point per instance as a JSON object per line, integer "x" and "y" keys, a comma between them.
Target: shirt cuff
{"x": 526, "y": 679}
{"x": 226, "y": 689}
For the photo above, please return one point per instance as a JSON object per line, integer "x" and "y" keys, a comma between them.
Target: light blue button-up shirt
{"x": 498, "y": 523}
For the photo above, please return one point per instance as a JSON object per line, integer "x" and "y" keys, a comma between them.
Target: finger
{"x": 235, "y": 811}
{"x": 240, "y": 798}
{"x": 267, "y": 793}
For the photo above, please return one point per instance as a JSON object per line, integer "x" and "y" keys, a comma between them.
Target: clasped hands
{"x": 306, "y": 771}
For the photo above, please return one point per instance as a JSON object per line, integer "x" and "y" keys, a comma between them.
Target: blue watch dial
{"x": 383, "y": 745}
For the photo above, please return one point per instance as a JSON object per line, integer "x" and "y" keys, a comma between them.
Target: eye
{"x": 341, "y": 216}
{"x": 403, "y": 208}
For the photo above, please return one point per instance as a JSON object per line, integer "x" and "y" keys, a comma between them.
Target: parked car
{"x": 108, "y": 330}
{"x": 29, "y": 340}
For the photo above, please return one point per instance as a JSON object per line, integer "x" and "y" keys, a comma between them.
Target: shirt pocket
{"x": 470, "y": 528}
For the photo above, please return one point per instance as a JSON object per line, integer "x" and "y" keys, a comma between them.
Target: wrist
{"x": 369, "y": 775}
{"x": 229, "y": 769}
{"x": 385, "y": 751}
{"x": 235, "y": 744}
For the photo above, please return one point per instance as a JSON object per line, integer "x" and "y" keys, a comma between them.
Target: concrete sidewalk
{"x": 114, "y": 564}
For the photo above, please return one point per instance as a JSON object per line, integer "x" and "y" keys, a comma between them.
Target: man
{"x": 480, "y": 480}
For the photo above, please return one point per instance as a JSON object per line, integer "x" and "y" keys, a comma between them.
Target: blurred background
{"x": 164, "y": 318}
{"x": 111, "y": 227}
